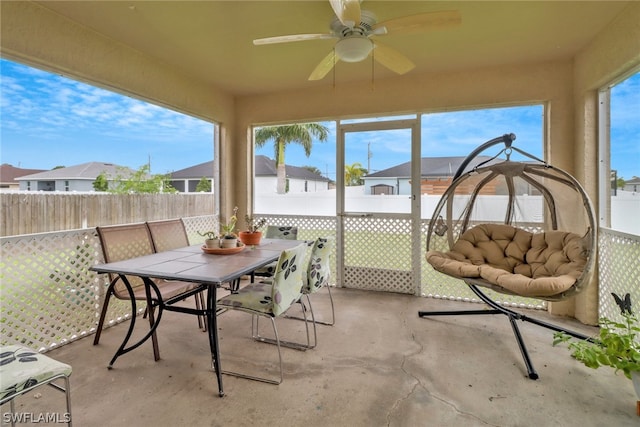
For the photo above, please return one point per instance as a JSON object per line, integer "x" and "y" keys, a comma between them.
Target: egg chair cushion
{"x": 520, "y": 262}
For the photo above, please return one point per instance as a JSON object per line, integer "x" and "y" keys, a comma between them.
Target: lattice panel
{"x": 378, "y": 279}
{"x": 618, "y": 270}
{"x": 48, "y": 295}
{"x": 378, "y": 254}
{"x": 195, "y": 224}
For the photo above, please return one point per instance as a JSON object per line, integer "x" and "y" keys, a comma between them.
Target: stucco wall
{"x": 605, "y": 60}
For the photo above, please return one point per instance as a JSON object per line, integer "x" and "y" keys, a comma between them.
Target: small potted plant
{"x": 617, "y": 345}
{"x": 229, "y": 238}
{"x": 253, "y": 234}
{"x": 211, "y": 240}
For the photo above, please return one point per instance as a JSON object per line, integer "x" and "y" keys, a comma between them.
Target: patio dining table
{"x": 191, "y": 264}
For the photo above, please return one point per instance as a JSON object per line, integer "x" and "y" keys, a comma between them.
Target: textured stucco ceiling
{"x": 212, "y": 40}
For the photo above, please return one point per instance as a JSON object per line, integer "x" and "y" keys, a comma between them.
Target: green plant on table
{"x": 617, "y": 345}
{"x": 210, "y": 235}
{"x": 227, "y": 229}
{"x": 253, "y": 224}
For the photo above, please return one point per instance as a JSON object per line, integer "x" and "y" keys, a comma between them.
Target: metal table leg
{"x": 212, "y": 323}
{"x": 153, "y": 321}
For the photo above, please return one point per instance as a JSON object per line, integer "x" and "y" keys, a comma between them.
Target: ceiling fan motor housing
{"x": 364, "y": 27}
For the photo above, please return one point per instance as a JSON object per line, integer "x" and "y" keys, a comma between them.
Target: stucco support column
{"x": 584, "y": 306}
{"x": 237, "y": 173}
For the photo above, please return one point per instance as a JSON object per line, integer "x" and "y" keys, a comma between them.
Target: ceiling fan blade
{"x": 293, "y": 38}
{"x": 392, "y": 59}
{"x": 347, "y": 11}
{"x": 327, "y": 63}
{"x": 421, "y": 22}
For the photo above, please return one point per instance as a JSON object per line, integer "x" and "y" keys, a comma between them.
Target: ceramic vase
{"x": 228, "y": 243}
{"x": 212, "y": 243}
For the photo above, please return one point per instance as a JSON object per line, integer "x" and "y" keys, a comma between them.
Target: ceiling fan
{"x": 356, "y": 31}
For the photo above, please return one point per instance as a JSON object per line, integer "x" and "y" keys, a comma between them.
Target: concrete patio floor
{"x": 380, "y": 365}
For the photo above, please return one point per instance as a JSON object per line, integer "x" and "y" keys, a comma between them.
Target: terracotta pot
{"x": 635, "y": 378}
{"x": 249, "y": 238}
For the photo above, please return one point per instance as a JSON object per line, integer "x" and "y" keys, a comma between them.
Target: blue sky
{"x": 48, "y": 121}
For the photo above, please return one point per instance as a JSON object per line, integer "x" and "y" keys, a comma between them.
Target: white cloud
{"x": 86, "y": 123}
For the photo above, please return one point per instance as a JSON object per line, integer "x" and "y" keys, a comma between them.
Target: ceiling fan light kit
{"x": 353, "y": 48}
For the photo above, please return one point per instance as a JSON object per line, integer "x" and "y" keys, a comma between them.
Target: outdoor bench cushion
{"x": 522, "y": 263}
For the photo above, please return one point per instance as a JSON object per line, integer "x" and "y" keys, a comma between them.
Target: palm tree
{"x": 302, "y": 134}
{"x": 353, "y": 174}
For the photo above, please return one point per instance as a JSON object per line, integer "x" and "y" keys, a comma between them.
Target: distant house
{"x": 186, "y": 180}
{"x": 300, "y": 180}
{"x": 436, "y": 176}
{"x": 72, "y": 178}
{"x": 9, "y": 175}
{"x": 632, "y": 185}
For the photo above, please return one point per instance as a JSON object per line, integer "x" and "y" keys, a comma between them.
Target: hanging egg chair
{"x": 521, "y": 228}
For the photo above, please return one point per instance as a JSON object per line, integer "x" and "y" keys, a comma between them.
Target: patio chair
{"x": 518, "y": 228}
{"x": 22, "y": 370}
{"x": 318, "y": 273}
{"x": 271, "y": 301}
{"x": 275, "y": 232}
{"x": 121, "y": 242}
{"x": 171, "y": 234}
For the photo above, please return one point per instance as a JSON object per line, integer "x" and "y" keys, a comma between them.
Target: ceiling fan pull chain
{"x": 373, "y": 68}
{"x": 334, "y": 68}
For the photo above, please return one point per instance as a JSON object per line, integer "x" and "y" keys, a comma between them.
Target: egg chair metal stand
{"x": 482, "y": 233}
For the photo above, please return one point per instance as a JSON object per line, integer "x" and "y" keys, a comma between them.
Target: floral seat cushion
{"x": 255, "y": 297}
{"x": 22, "y": 368}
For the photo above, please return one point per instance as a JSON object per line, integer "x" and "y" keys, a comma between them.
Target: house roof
{"x": 84, "y": 171}
{"x": 264, "y": 167}
{"x": 633, "y": 180}
{"x": 429, "y": 167}
{"x": 9, "y": 173}
{"x": 197, "y": 171}
{"x": 267, "y": 167}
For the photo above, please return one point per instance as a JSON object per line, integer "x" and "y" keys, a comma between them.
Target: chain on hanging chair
{"x": 522, "y": 228}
